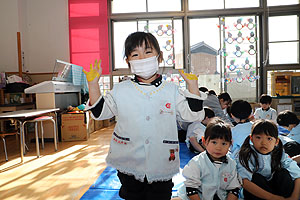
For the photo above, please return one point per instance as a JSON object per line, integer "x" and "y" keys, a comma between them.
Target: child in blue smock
{"x": 267, "y": 172}
{"x": 212, "y": 174}
{"x": 265, "y": 111}
{"x": 286, "y": 121}
{"x": 144, "y": 147}
{"x": 240, "y": 112}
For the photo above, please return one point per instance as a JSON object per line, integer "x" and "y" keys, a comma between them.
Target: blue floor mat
{"x": 107, "y": 185}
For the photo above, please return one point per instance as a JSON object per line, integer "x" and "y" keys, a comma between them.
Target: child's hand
{"x": 191, "y": 81}
{"x": 187, "y": 76}
{"x": 95, "y": 72}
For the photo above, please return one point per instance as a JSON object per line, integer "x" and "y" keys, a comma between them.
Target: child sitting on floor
{"x": 265, "y": 111}
{"x": 240, "y": 111}
{"x": 267, "y": 172}
{"x": 195, "y": 132}
{"x": 212, "y": 174}
{"x": 286, "y": 122}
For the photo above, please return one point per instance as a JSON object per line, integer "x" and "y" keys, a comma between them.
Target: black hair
{"x": 203, "y": 89}
{"x": 208, "y": 112}
{"x": 212, "y": 92}
{"x": 259, "y": 127}
{"x": 264, "y": 99}
{"x": 225, "y": 96}
{"x": 216, "y": 129}
{"x": 286, "y": 117}
{"x": 137, "y": 39}
{"x": 241, "y": 109}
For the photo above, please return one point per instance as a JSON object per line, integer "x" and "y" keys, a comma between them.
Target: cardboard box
{"x": 98, "y": 124}
{"x": 76, "y": 126}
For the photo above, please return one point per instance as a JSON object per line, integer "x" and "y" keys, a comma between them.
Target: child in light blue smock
{"x": 240, "y": 111}
{"x": 212, "y": 174}
{"x": 267, "y": 172}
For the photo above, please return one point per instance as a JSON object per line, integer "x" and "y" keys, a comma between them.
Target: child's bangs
{"x": 220, "y": 132}
{"x": 265, "y": 127}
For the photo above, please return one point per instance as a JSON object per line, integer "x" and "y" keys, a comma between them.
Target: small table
{"x": 14, "y": 107}
{"x": 20, "y": 116}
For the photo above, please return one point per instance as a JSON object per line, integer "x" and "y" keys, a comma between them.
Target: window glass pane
{"x": 283, "y": 28}
{"x": 104, "y": 83}
{"x": 241, "y": 3}
{"x": 169, "y": 39}
{"x": 165, "y": 5}
{"x": 282, "y": 2}
{"x": 164, "y": 32}
{"x": 240, "y": 56}
{"x": 128, "y": 6}
{"x": 205, "y": 5}
{"x": 284, "y": 53}
{"x": 205, "y": 43}
{"x": 121, "y": 31}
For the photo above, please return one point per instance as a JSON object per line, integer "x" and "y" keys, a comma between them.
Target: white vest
{"x": 145, "y": 139}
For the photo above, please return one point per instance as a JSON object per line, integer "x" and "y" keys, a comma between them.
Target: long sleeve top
{"x": 145, "y": 138}
{"x": 265, "y": 166}
{"x": 295, "y": 133}
{"x": 196, "y": 129}
{"x": 212, "y": 101}
{"x": 270, "y": 114}
{"x": 208, "y": 178}
{"x": 239, "y": 134}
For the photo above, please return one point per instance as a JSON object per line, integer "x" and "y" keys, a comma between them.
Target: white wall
{"x": 8, "y": 35}
{"x": 44, "y": 34}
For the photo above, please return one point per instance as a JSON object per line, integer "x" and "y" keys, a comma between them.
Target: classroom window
{"x": 282, "y": 2}
{"x": 131, "y": 6}
{"x": 284, "y": 39}
{"x": 221, "y": 4}
{"x": 204, "y": 48}
{"x": 168, "y": 33}
{"x": 217, "y": 62}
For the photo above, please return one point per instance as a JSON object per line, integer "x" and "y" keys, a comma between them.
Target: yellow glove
{"x": 94, "y": 71}
{"x": 189, "y": 76}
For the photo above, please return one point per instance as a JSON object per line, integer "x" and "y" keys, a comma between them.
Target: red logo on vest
{"x": 168, "y": 105}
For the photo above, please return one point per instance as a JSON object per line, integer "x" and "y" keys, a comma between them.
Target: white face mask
{"x": 144, "y": 68}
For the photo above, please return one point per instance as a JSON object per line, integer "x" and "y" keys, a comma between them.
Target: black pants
{"x": 132, "y": 189}
{"x": 281, "y": 184}
{"x": 292, "y": 148}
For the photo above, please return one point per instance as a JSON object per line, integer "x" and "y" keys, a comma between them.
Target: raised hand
{"x": 187, "y": 76}
{"x": 95, "y": 72}
{"x": 191, "y": 81}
